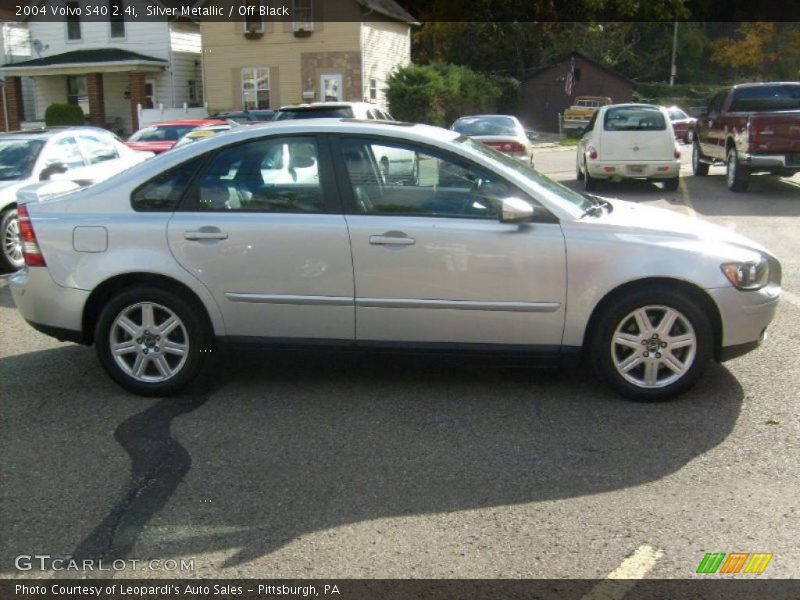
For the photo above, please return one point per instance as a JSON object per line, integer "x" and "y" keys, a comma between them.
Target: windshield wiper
{"x": 597, "y": 206}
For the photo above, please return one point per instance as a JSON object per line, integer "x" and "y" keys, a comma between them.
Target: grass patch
{"x": 569, "y": 141}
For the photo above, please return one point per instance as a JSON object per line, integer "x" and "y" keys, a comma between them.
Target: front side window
{"x": 399, "y": 179}
{"x": 73, "y": 20}
{"x": 273, "y": 175}
{"x": 634, "y": 118}
{"x": 164, "y": 191}
{"x": 255, "y": 88}
{"x": 97, "y": 149}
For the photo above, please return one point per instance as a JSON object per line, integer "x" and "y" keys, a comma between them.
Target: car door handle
{"x": 205, "y": 235}
{"x": 391, "y": 238}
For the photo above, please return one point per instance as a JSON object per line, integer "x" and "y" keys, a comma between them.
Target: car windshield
{"x": 323, "y": 112}
{"x": 17, "y": 158}
{"x": 486, "y": 126}
{"x": 677, "y": 115}
{"x": 766, "y": 97}
{"x": 579, "y": 201}
{"x": 634, "y": 118}
{"x": 161, "y": 133}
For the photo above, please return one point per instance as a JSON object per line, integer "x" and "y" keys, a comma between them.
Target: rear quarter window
{"x": 164, "y": 191}
{"x": 634, "y": 118}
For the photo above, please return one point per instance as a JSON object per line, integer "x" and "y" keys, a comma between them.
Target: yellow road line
{"x": 622, "y": 579}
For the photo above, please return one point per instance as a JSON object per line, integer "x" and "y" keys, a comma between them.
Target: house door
{"x": 331, "y": 87}
{"x": 150, "y": 93}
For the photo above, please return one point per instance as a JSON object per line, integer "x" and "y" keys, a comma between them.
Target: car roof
{"x": 195, "y": 122}
{"x": 329, "y": 104}
{"x": 48, "y": 132}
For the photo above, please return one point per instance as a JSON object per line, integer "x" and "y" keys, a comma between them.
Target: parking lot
{"x": 317, "y": 465}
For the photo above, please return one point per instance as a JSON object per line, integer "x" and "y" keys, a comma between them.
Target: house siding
{"x": 226, "y": 51}
{"x": 185, "y": 56}
{"x": 385, "y": 45}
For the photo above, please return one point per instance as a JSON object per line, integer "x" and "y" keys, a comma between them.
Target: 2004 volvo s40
{"x": 289, "y": 233}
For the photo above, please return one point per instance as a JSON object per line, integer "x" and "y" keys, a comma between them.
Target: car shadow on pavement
{"x": 269, "y": 446}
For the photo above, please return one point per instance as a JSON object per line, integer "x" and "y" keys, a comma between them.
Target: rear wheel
{"x": 589, "y": 183}
{"x": 11, "y": 258}
{"x": 737, "y": 175}
{"x": 699, "y": 168}
{"x": 578, "y": 172}
{"x": 652, "y": 344}
{"x": 151, "y": 341}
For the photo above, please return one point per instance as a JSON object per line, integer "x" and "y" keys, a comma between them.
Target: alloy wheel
{"x": 12, "y": 243}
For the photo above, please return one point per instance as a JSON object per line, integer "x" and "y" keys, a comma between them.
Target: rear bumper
{"x": 745, "y": 317}
{"x": 626, "y": 169}
{"x": 48, "y": 307}
{"x": 770, "y": 161}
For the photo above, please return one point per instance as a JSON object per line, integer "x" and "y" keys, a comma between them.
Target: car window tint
{"x": 274, "y": 175}
{"x": 400, "y": 179}
{"x": 766, "y": 98}
{"x": 163, "y": 192}
{"x": 634, "y": 118}
{"x": 65, "y": 151}
{"x": 97, "y": 149}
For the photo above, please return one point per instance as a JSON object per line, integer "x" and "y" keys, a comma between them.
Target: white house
{"x": 15, "y": 47}
{"x": 107, "y": 68}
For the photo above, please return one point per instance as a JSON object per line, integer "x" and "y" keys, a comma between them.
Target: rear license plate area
{"x": 635, "y": 169}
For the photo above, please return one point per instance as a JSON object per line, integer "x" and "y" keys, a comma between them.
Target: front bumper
{"x": 47, "y": 306}
{"x": 634, "y": 169}
{"x": 745, "y": 317}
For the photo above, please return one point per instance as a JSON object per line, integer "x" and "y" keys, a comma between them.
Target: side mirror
{"x": 52, "y": 169}
{"x": 515, "y": 210}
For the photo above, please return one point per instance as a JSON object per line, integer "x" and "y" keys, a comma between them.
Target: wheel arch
{"x": 698, "y": 294}
{"x": 108, "y": 288}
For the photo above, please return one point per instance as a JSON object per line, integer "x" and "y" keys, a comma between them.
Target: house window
{"x": 194, "y": 92}
{"x": 73, "y": 21}
{"x": 116, "y": 18}
{"x": 255, "y": 88}
{"x": 77, "y": 93}
{"x": 252, "y": 21}
{"x": 373, "y": 90}
{"x": 302, "y": 15}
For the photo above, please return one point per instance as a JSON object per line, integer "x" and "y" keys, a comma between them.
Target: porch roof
{"x": 80, "y": 62}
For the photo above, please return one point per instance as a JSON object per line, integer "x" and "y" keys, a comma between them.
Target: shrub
{"x": 415, "y": 94}
{"x": 64, "y": 114}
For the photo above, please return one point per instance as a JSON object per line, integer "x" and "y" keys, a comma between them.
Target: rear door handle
{"x": 391, "y": 238}
{"x": 213, "y": 234}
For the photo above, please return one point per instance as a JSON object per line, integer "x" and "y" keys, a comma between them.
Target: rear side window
{"x": 164, "y": 191}
{"x": 634, "y": 118}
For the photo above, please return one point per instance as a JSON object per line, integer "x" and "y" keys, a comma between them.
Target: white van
{"x": 628, "y": 141}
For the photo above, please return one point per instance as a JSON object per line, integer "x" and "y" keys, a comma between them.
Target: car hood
{"x": 638, "y": 218}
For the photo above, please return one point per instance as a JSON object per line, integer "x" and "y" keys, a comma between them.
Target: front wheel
{"x": 11, "y": 258}
{"x": 151, "y": 341}
{"x": 652, "y": 345}
{"x": 737, "y": 175}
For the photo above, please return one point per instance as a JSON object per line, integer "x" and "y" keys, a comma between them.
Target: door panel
{"x": 259, "y": 230}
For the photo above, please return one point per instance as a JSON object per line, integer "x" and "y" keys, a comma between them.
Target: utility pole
{"x": 673, "y": 70}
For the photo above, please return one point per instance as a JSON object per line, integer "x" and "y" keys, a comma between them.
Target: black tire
{"x": 737, "y": 175}
{"x": 578, "y": 172}
{"x": 194, "y": 330}
{"x": 699, "y": 168}
{"x": 619, "y": 313}
{"x": 671, "y": 185}
{"x": 590, "y": 184}
{"x": 9, "y": 259}
{"x": 689, "y": 137}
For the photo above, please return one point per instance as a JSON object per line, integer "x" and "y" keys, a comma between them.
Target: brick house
{"x": 333, "y": 50}
{"x": 543, "y": 90}
{"x": 107, "y": 68}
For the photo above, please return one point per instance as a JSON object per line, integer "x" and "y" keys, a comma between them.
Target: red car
{"x": 682, "y": 123}
{"x": 160, "y": 137}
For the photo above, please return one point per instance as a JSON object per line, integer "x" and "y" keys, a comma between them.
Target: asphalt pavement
{"x": 318, "y": 465}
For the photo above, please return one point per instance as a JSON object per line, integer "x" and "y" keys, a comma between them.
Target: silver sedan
{"x": 291, "y": 234}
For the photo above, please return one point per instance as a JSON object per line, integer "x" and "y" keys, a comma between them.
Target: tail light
{"x": 30, "y": 245}
{"x": 511, "y": 147}
{"x": 591, "y": 152}
{"x": 677, "y": 153}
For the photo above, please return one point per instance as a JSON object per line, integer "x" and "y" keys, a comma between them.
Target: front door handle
{"x": 391, "y": 238}
{"x": 205, "y": 234}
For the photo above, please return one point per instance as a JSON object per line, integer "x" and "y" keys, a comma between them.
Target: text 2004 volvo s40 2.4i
{"x": 289, "y": 233}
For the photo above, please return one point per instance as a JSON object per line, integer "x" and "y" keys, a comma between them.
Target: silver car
{"x": 158, "y": 264}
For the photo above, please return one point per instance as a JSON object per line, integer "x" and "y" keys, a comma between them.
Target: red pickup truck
{"x": 751, "y": 128}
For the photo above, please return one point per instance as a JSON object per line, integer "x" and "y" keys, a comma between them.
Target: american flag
{"x": 569, "y": 80}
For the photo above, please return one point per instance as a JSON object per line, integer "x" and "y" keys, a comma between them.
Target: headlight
{"x": 747, "y": 275}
